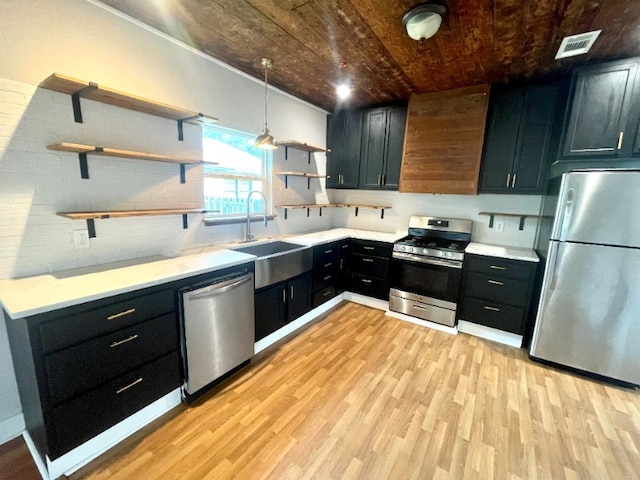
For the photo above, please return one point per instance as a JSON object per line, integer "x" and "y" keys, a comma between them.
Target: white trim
{"x": 366, "y": 301}
{"x": 91, "y": 449}
{"x": 296, "y": 324}
{"x": 11, "y": 428}
{"x": 422, "y": 323}
{"x": 200, "y": 53}
{"x": 489, "y": 333}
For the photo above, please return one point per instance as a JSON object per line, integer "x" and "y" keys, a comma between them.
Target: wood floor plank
{"x": 359, "y": 395}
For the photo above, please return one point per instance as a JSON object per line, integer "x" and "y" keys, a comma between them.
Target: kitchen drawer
{"x": 325, "y": 278}
{"x": 369, "y": 266}
{"x": 67, "y": 331}
{"x": 495, "y": 315}
{"x": 90, "y": 414}
{"x": 79, "y": 368}
{"x": 369, "y": 286}
{"x": 500, "y": 267}
{"x": 323, "y": 295}
{"x": 497, "y": 289}
{"x": 365, "y": 247}
{"x": 326, "y": 253}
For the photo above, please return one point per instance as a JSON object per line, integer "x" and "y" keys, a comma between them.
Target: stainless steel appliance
{"x": 589, "y": 311}
{"x": 426, "y": 268}
{"x": 218, "y": 328}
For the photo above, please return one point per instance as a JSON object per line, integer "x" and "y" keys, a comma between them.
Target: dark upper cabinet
{"x": 602, "y": 120}
{"x": 382, "y": 143}
{"x": 520, "y": 139}
{"x": 344, "y": 133}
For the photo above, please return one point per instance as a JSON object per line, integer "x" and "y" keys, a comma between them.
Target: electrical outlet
{"x": 81, "y": 239}
{"x": 499, "y": 226}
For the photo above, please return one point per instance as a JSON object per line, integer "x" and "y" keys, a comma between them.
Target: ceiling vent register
{"x": 577, "y": 44}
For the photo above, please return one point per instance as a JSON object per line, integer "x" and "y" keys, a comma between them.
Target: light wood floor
{"x": 362, "y": 396}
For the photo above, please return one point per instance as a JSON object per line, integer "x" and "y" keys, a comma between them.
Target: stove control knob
{"x": 410, "y": 249}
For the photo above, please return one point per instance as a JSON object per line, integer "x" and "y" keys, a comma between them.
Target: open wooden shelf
{"x": 91, "y": 216}
{"x": 305, "y": 147}
{"x": 308, "y": 176}
{"x": 82, "y": 151}
{"x": 92, "y": 91}
{"x": 309, "y": 206}
{"x": 521, "y": 216}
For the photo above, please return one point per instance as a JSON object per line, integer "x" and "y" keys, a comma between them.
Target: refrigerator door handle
{"x": 554, "y": 256}
{"x": 567, "y": 210}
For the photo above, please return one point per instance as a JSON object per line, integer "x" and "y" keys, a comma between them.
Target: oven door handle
{"x": 428, "y": 260}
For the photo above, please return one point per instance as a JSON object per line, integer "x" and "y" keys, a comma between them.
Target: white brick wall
{"x": 35, "y": 183}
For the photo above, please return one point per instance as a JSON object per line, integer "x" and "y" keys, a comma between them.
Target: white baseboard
{"x": 422, "y": 323}
{"x": 489, "y": 333}
{"x": 296, "y": 324}
{"x": 11, "y": 428}
{"x": 366, "y": 301}
{"x": 83, "y": 454}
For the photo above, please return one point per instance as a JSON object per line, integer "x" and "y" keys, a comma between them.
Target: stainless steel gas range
{"x": 426, "y": 268}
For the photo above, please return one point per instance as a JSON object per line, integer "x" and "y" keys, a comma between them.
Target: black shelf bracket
{"x": 180, "y": 130}
{"x": 286, "y": 152}
{"x": 183, "y": 177}
{"x": 185, "y": 221}
{"x": 521, "y": 226}
{"x": 382, "y": 214}
{"x": 308, "y": 210}
{"x": 320, "y": 212}
{"x": 75, "y": 101}
{"x": 84, "y": 166}
{"x": 308, "y": 183}
{"x": 285, "y": 213}
{"x": 286, "y": 181}
{"x": 357, "y": 210}
{"x": 309, "y": 157}
{"x": 491, "y": 221}
{"x": 91, "y": 227}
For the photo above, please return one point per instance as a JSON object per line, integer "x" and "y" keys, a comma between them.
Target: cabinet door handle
{"x": 121, "y": 314}
{"x": 513, "y": 180}
{"x": 328, "y": 264}
{"x": 494, "y": 282}
{"x": 380, "y": 180}
{"x": 364, "y": 280}
{"x": 384, "y": 179}
{"x": 291, "y": 292}
{"x": 341, "y": 263}
{"x": 620, "y": 137}
{"x": 493, "y": 309}
{"x": 497, "y": 267}
{"x": 127, "y": 387}
{"x": 370, "y": 260}
{"x": 368, "y": 248}
{"x": 328, "y": 251}
{"x": 284, "y": 295}
{"x": 508, "y": 179}
{"x": 115, "y": 344}
{"x": 327, "y": 277}
{"x": 328, "y": 292}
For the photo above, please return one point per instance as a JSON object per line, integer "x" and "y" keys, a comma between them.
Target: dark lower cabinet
{"x": 279, "y": 304}
{"x": 83, "y": 369}
{"x": 368, "y": 268}
{"x": 497, "y": 293}
{"x": 326, "y": 265}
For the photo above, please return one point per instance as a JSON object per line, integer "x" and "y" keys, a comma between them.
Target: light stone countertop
{"x": 511, "y": 253}
{"x": 43, "y": 293}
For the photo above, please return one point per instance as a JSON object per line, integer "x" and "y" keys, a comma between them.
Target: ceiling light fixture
{"x": 343, "y": 91}
{"x": 265, "y": 140}
{"x": 424, "y": 20}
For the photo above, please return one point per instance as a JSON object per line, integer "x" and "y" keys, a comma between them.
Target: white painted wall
{"x": 84, "y": 40}
{"x": 456, "y": 206}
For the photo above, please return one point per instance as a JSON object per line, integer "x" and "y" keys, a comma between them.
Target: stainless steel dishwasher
{"x": 218, "y": 328}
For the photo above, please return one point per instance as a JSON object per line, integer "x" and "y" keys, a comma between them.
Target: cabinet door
{"x": 299, "y": 296}
{"x": 598, "y": 115}
{"x": 373, "y": 149}
{"x": 396, "y": 122}
{"x": 500, "y": 141}
{"x": 344, "y": 133}
{"x": 537, "y": 123}
{"x": 271, "y": 308}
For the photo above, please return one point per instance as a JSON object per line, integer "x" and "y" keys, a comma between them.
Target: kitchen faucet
{"x": 248, "y": 236}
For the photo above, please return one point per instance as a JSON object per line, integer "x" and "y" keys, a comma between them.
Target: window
{"x": 241, "y": 168}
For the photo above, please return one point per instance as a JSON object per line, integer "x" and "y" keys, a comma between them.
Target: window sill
{"x": 210, "y": 222}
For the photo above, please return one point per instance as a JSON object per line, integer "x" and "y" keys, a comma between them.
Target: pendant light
{"x": 265, "y": 140}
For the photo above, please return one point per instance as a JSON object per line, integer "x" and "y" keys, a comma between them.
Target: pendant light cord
{"x": 265, "y": 96}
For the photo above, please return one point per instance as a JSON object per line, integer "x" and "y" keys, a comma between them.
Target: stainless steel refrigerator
{"x": 589, "y": 311}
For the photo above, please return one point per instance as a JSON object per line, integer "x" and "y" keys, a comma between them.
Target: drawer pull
{"x": 328, "y": 251}
{"x": 121, "y": 314}
{"x": 493, "y": 309}
{"x": 370, "y": 260}
{"x": 127, "y": 387}
{"x": 327, "y": 293}
{"x": 328, "y": 264}
{"x": 368, "y": 248}
{"x": 497, "y": 267}
{"x": 327, "y": 277}
{"x": 115, "y": 344}
{"x": 364, "y": 280}
{"x": 495, "y": 282}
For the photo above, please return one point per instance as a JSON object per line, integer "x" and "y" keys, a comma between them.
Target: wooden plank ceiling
{"x": 480, "y": 41}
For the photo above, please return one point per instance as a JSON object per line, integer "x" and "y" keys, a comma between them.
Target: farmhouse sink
{"x": 278, "y": 261}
